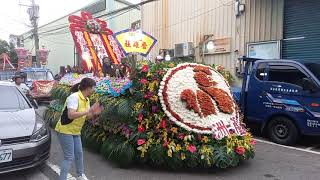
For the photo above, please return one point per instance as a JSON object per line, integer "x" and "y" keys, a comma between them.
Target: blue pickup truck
{"x": 282, "y": 97}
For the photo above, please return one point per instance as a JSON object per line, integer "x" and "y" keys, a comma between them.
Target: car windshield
{"x": 40, "y": 76}
{"x": 12, "y": 99}
{"x": 314, "y": 68}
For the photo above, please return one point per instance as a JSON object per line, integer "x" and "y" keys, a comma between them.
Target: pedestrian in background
{"x": 107, "y": 67}
{"x": 69, "y": 69}
{"x": 76, "y": 111}
{"x": 19, "y": 82}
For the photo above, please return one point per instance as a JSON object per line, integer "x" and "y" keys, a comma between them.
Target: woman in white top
{"x": 20, "y": 85}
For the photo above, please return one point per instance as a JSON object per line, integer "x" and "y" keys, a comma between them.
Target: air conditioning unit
{"x": 184, "y": 49}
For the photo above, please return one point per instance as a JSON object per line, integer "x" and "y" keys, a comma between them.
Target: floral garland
{"x": 71, "y": 79}
{"x": 93, "y": 26}
{"x": 211, "y": 112}
{"x": 134, "y": 125}
{"x": 113, "y": 86}
{"x": 105, "y": 86}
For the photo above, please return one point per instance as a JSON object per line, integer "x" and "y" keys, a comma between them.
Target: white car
{"x": 24, "y": 137}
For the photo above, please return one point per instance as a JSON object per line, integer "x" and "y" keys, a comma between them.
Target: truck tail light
{"x": 315, "y": 105}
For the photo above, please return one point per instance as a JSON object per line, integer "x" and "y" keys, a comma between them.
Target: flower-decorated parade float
{"x": 164, "y": 114}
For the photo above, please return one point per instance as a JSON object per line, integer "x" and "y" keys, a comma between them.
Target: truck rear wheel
{"x": 282, "y": 130}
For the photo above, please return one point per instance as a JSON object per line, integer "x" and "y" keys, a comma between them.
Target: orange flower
{"x": 206, "y": 105}
{"x": 202, "y": 69}
{"x": 224, "y": 101}
{"x": 203, "y": 79}
{"x": 190, "y": 97}
{"x": 171, "y": 65}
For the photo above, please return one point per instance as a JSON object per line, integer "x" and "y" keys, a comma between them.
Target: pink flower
{"x": 145, "y": 68}
{"x": 163, "y": 124}
{"x": 148, "y": 95}
{"x": 220, "y": 68}
{"x": 143, "y": 81}
{"x": 240, "y": 150}
{"x": 160, "y": 72}
{"x": 140, "y": 117}
{"x": 181, "y": 136}
{"x": 253, "y": 142}
{"x": 165, "y": 144}
{"x": 192, "y": 149}
{"x": 141, "y": 142}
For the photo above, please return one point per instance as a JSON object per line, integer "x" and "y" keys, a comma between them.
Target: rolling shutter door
{"x": 301, "y": 30}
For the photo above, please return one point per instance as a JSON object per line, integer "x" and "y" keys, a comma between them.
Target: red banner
{"x": 94, "y": 41}
{"x": 42, "y": 88}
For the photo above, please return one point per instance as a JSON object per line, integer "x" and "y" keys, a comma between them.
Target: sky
{"x": 15, "y": 19}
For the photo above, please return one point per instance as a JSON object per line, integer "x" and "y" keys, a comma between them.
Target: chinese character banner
{"x": 94, "y": 41}
{"x": 135, "y": 41}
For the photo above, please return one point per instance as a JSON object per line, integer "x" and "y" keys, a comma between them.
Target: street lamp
{"x": 210, "y": 45}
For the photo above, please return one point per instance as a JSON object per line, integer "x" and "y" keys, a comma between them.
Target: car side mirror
{"x": 308, "y": 85}
{"x": 33, "y": 102}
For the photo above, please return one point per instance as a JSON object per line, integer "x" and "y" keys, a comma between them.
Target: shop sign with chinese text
{"x": 135, "y": 41}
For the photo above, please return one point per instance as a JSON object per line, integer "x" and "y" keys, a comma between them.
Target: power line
{"x": 128, "y": 8}
{"x": 119, "y": 15}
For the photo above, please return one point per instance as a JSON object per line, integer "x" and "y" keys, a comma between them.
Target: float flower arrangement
{"x": 177, "y": 116}
{"x": 71, "y": 79}
{"x": 113, "y": 86}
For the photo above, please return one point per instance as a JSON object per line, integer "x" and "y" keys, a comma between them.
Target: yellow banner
{"x": 135, "y": 41}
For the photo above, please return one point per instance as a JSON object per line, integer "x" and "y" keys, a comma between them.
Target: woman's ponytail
{"x": 75, "y": 88}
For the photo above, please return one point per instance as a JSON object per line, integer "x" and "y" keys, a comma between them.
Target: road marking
{"x": 288, "y": 147}
{"x": 312, "y": 147}
{"x": 56, "y": 169}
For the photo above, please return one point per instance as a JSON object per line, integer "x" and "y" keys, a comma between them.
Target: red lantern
{"x": 22, "y": 53}
{"x": 43, "y": 55}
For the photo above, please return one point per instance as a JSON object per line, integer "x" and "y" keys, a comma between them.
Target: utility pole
{"x": 33, "y": 12}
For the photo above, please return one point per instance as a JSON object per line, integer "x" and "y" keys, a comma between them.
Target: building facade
{"x": 56, "y": 37}
{"x": 254, "y": 28}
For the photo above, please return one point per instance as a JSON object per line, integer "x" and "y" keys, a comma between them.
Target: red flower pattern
{"x": 143, "y": 81}
{"x": 141, "y": 129}
{"x": 240, "y": 150}
{"x": 140, "y": 117}
{"x": 163, "y": 124}
{"x": 203, "y": 79}
{"x": 225, "y": 103}
{"x": 145, "y": 68}
{"x": 202, "y": 69}
{"x": 191, "y": 99}
{"x": 206, "y": 104}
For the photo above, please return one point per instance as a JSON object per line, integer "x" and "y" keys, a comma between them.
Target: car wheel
{"x": 282, "y": 130}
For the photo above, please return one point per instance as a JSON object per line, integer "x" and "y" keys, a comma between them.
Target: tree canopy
{"x": 5, "y": 47}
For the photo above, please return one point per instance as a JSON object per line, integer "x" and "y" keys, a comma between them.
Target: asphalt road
{"x": 272, "y": 162}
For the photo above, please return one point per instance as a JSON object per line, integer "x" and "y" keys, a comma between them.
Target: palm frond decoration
{"x": 221, "y": 158}
{"x": 118, "y": 151}
{"x": 124, "y": 110}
